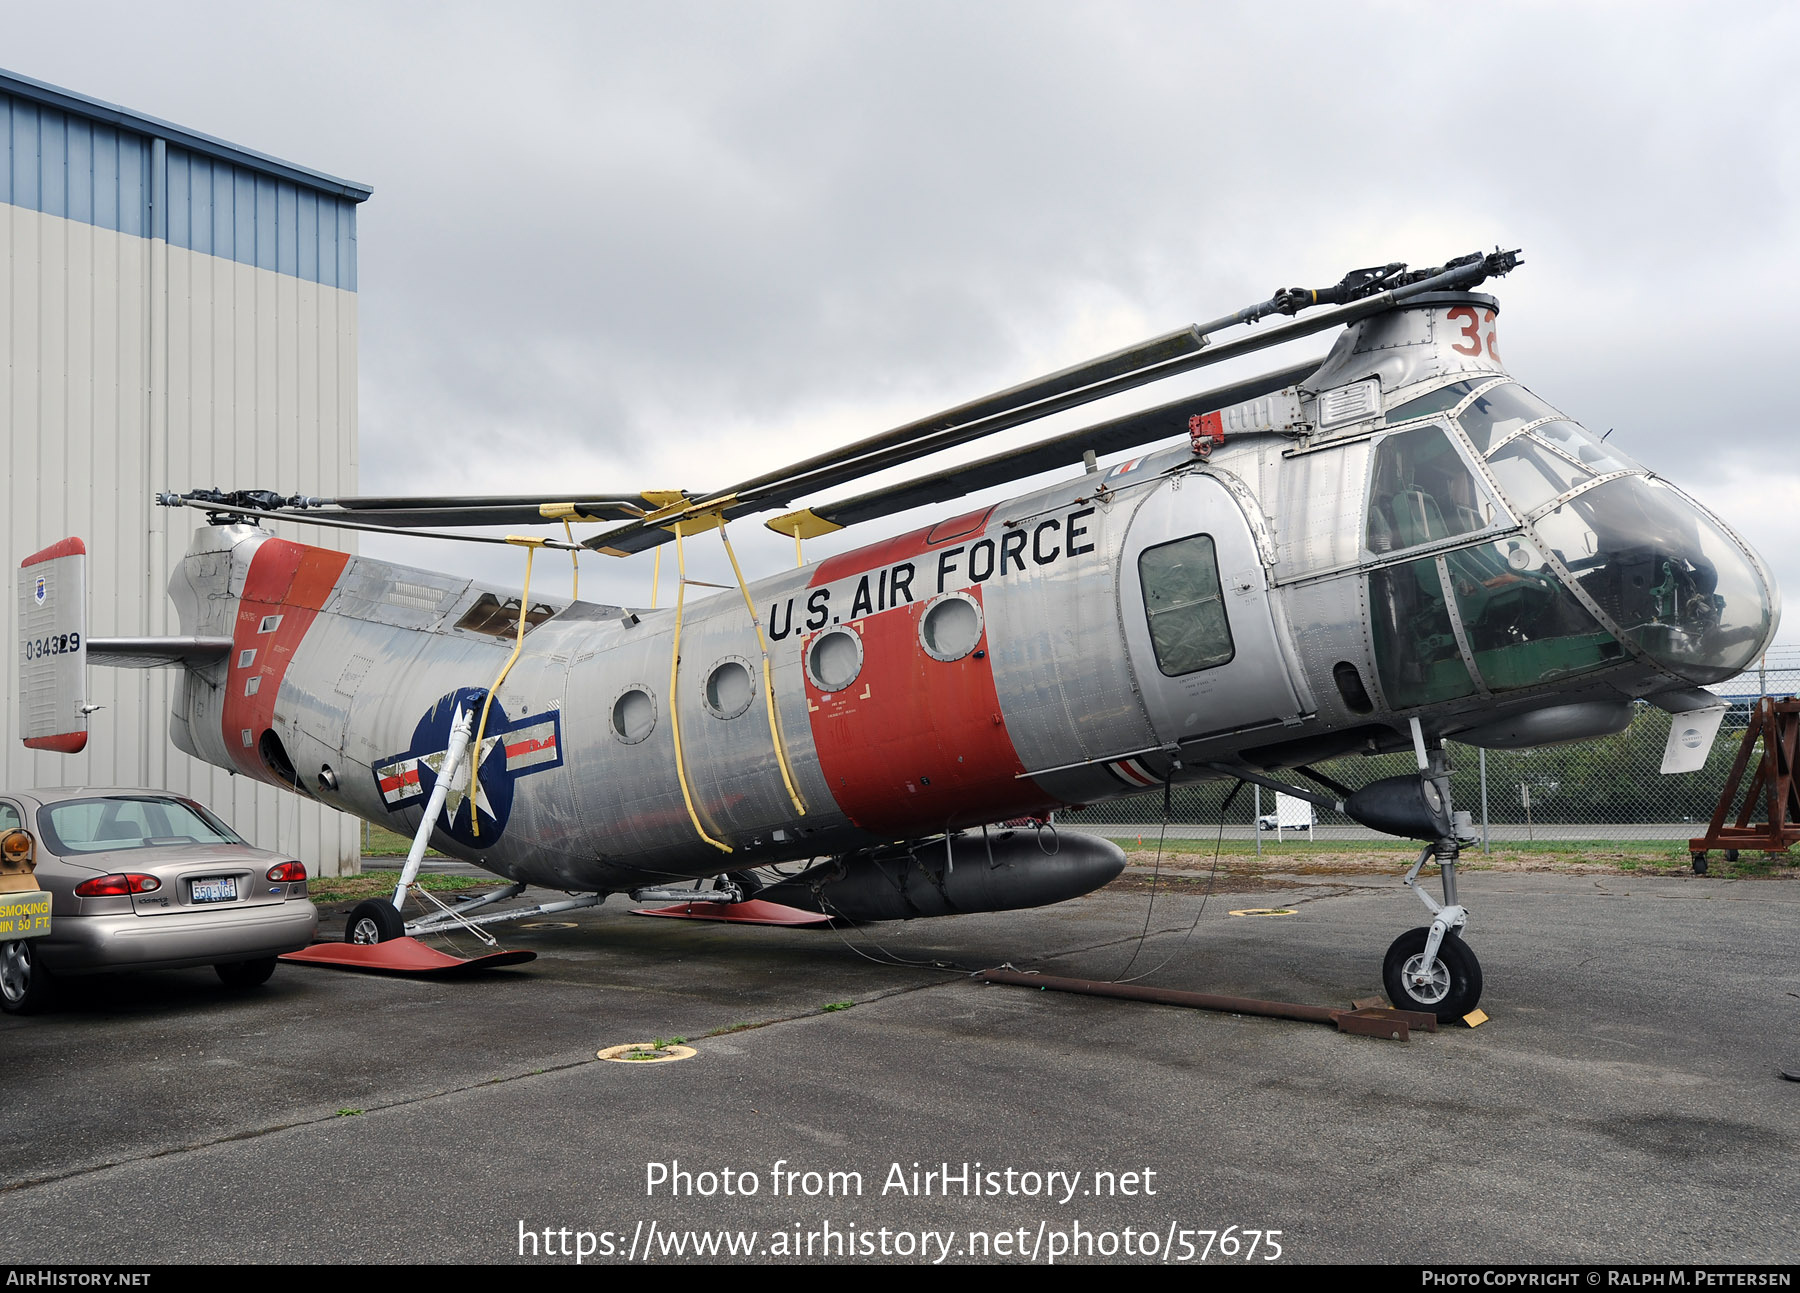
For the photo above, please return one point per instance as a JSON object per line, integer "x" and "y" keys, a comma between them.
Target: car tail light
{"x": 117, "y": 885}
{"x": 288, "y": 872}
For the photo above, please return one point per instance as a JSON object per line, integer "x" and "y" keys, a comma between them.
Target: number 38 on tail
{"x": 1385, "y": 546}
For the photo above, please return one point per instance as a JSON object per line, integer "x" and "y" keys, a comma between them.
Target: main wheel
{"x": 1699, "y": 861}
{"x": 245, "y": 974}
{"x": 1448, "y": 988}
{"x": 373, "y": 921}
{"x": 25, "y": 985}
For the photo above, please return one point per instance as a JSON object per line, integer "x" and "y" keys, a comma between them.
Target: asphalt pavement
{"x": 1621, "y": 1104}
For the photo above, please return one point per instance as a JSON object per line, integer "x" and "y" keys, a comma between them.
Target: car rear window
{"x": 103, "y": 824}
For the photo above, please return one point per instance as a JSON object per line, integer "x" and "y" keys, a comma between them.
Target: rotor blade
{"x": 530, "y": 513}
{"x": 1045, "y": 396}
{"x": 1170, "y": 347}
{"x": 1163, "y": 422}
{"x": 261, "y": 515}
{"x": 376, "y": 502}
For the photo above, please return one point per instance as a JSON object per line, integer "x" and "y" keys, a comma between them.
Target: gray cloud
{"x": 640, "y": 245}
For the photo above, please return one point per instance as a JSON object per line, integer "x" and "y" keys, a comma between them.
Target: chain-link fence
{"x": 1610, "y": 789}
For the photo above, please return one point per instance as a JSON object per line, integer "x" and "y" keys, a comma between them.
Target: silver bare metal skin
{"x": 1285, "y": 503}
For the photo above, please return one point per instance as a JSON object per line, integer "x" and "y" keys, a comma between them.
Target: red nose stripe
{"x": 915, "y": 744}
{"x": 286, "y": 586}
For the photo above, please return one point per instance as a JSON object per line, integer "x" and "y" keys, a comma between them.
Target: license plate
{"x": 216, "y": 889}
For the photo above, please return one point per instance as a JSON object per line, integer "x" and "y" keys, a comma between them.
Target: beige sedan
{"x": 148, "y": 880}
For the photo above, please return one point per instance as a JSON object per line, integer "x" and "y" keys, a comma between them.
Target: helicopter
{"x": 1378, "y": 549}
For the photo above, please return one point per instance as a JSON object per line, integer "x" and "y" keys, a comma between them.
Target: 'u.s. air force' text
{"x": 1044, "y": 543}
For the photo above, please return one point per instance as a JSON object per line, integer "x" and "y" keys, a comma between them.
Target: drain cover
{"x": 645, "y": 1053}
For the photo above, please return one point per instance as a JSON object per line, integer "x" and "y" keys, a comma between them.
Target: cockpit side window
{"x": 1523, "y": 626}
{"x": 1185, "y": 606}
{"x": 1415, "y": 645}
{"x": 1421, "y": 491}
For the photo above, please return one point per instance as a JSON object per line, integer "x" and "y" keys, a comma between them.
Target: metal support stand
{"x": 439, "y": 923}
{"x": 459, "y": 745}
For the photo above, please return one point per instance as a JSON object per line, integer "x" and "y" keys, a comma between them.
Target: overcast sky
{"x": 624, "y": 246}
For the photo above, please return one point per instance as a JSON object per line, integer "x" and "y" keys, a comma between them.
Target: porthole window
{"x": 950, "y": 627}
{"x": 729, "y": 689}
{"x": 834, "y": 659}
{"x": 634, "y": 715}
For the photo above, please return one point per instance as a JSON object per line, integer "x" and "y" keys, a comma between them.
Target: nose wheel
{"x": 1447, "y": 985}
{"x": 1431, "y": 969}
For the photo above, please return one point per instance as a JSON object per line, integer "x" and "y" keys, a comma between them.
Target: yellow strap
{"x": 787, "y": 773}
{"x": 656, "y": 579}
{"x": 687, "y": 795}
{"x": 574, "y": 562}
{"x": 531, "y": 545}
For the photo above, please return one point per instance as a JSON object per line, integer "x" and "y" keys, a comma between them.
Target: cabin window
{"x": 834, "y": 659}
{"x": 1185, "y": 606}
{"x": 1421, "y": 491}
{"x": 950, "y": 627}
{"x": 634, "y": 715}
{"x": 729, "y": 689}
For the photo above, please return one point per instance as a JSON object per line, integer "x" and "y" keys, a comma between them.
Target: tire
{"x": 1699, "y": 861}
{"x": 1731, "y": 855}
{"x": 245, "y": 974}
{"x": 25, "y": 985}
{"x": 1456, "y": 983}
{"x": 374, "y": 921}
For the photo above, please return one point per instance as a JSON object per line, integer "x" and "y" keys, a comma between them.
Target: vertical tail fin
{"x": 53, "y": 648}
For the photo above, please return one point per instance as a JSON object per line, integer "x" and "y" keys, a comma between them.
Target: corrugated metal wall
{"x": 223, "y": 353}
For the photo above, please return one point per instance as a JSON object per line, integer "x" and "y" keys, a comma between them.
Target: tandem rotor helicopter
{"x": 1373, "y": 551}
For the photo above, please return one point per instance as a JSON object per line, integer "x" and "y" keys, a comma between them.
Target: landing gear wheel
{"x": 1731, "y": 855}
{"x": 25, "y": 985}
{"x": 245, "y": 974}
{"x": 373, "y": 921}
{"x": 747, "y": 882}
{"x": 1449, "y": 989}
{"x": 1699, "y": 861}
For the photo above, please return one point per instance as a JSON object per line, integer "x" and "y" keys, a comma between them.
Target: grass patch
{"x": 380, "y": 884}
{"x": 1571, "y": 849}
{"x": 836, "y": 1005}
{"x": 379, "y": 842}
{"x": 1599, "y": 857}
{"x": 656, "y": 1050}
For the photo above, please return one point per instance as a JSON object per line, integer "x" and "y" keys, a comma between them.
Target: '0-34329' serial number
{"x": 55, "y": 644}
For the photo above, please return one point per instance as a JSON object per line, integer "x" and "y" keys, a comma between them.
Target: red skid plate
{"x": 753, "y": 912}
{"x": 402, "y": 956}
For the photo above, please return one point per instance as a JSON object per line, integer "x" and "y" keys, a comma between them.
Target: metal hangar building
{"x": 175, "y": 312}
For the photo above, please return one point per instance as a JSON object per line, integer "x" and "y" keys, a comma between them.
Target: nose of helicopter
{"x": 1673, "y": 579}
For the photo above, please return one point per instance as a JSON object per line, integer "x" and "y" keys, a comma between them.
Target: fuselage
{"x": 1410, "y": 533}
